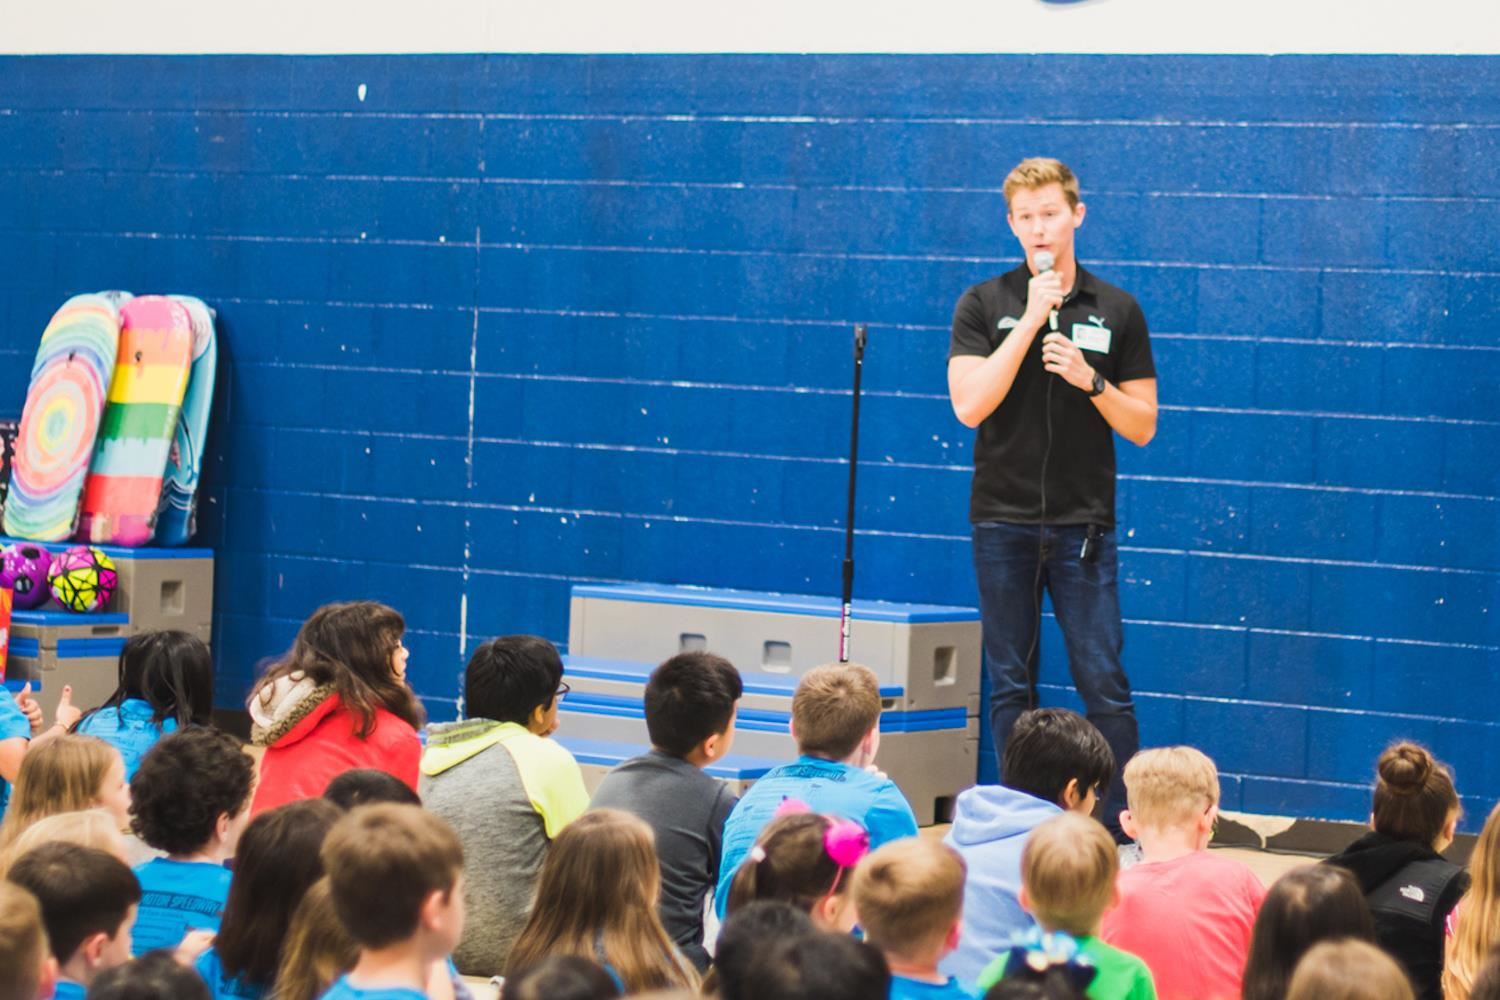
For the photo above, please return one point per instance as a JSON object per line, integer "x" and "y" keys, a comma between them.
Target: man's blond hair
{"x": 1068, "y": 867}
{"x": 908, "y": 895}
{"x": 1168, "y": 787}
{"x": 1037, "y": 172}
{"x": 835, "y": 707}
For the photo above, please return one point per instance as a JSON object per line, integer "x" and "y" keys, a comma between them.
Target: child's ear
{"x": 92, "y": 949}
{"x": 1070, "y": 799}
{"x": 1024, "y": 898}
{"x": 1208, "y": 821}
{"x": 48, "y": 981}
{"x": 1127, "y": 823}
{"x": 955, "y": 934}
{"x": 431, "y": 913}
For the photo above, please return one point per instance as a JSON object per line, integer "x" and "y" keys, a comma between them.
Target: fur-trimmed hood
{"x": 287, "y": 709}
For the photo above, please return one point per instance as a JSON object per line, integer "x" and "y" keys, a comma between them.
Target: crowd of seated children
{"x": 322, "y": 873}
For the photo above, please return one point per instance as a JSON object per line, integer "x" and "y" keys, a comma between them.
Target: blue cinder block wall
{"x": 504, "y": 323}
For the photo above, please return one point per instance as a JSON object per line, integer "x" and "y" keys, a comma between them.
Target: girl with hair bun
{"x": 1410, "y": 886}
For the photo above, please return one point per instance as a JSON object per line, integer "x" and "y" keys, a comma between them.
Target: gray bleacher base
{"x": 935, "y": 661}
{"x": 930, "y": 767}
{"x": 625, "y": 679}
{"x": 46, "y": 627}
{"x": 93, "y": 678}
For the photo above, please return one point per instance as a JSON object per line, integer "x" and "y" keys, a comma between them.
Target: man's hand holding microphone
{"x": 1044, "y": 296}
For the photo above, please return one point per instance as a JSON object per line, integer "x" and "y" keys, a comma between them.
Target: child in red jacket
{"x": 337, "y": 701}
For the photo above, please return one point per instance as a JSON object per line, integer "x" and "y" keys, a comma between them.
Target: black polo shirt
{"x": 1109, "y": 326}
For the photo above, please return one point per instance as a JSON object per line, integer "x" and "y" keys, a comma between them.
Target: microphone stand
{"x": 846, "y": 607}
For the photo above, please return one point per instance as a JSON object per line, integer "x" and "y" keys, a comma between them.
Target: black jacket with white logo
{"x": 1411, "y": 890}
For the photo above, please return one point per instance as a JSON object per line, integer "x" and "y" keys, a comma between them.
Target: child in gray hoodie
{"x": 505, "y": 787}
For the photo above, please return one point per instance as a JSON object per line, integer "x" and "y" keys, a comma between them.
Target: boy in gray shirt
{"x": 690, "y": 710}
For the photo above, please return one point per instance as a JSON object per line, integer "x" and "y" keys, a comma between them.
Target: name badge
{"x": 1091, "y": 337}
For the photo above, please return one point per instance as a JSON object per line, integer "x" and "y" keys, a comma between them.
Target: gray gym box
{"x": 932, "y": 652}
{"x": 930, "y": 767}
{"x": 93, "y": 678}
{"x": 157, "y": 589}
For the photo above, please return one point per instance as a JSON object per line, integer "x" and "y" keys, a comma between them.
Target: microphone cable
{"x": 1045, "y": 262}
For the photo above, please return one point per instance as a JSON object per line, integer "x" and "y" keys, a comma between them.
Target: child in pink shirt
{"x": 1186, "y": 912}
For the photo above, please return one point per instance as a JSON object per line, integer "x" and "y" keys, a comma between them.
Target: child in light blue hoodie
{"x": 1055, "y": 760}
{"x": 166, "y": 680}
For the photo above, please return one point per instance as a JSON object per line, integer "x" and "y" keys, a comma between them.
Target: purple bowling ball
{"x": 23, "y": 568}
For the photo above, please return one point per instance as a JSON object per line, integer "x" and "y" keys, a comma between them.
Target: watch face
{"x": 1098, "y": 383}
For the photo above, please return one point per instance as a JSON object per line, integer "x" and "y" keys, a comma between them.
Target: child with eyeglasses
{"x": 505, "y": 786}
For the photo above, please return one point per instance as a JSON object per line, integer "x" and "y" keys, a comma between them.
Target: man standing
{"x": 1048, "y": 362}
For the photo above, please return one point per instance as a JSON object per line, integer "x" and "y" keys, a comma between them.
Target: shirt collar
{"x": 1015, "y": 280}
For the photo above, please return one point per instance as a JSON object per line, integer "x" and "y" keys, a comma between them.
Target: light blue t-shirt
{"x": 177, "y": 897}
{"x": 69, "y": 990}
{"x": 826, "y": 786}
{"x": 224, "y": 987}
{"x": 129, "y": 729}
{"x": 914, "y": 989}
{"x": 342, "y": 990}
{"x": 13, "y": 725}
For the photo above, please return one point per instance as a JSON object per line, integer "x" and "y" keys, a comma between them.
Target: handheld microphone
{"x": 1044, "y": 263}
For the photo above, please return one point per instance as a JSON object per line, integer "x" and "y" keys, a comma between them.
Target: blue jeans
{"x": 1013, "y": 563}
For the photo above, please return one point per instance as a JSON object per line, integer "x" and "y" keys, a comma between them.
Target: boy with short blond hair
{"x": 1187, "y": 912}
{"x": 836, "y": 723}
{"x": 910, "y": 896}
{"x": 396, "y": 876}
{"x": 1068, "y": 871}
{"x": 26, "y": 961}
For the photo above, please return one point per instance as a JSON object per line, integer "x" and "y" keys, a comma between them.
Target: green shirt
{"x": 1120, "y": 976}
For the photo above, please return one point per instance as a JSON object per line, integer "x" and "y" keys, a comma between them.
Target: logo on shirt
{"x": 1006, "y": 322}
{"x": 1413, "y": 893}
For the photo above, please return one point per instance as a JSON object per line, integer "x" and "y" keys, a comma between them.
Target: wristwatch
{"x": 1098, "y": 385}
